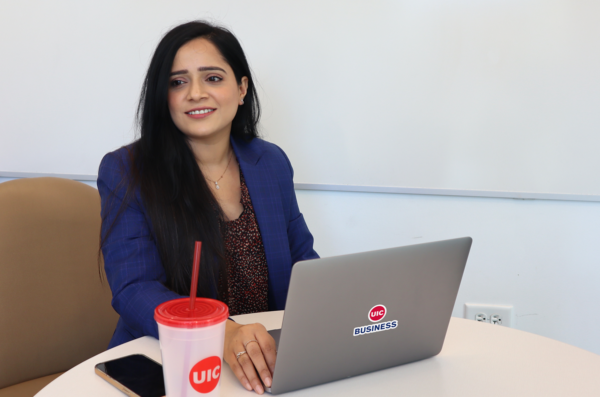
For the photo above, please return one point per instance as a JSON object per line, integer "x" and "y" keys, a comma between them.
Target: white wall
{"x": 540, "y": 256}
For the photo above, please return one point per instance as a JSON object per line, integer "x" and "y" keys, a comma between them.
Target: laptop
{"x": 352, "y": 314}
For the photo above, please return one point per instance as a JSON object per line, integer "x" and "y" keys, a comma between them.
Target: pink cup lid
{"x": 176, "y": 313}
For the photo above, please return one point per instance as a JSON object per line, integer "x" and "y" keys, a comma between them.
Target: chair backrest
{"x": 54, "y": 310}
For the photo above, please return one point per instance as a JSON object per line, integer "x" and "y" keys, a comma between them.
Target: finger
{"x": 256, "y": 354}
{"x": 238, "y": 370}
{"x": 269, "y": 349}
{"x": 250, "y": 372}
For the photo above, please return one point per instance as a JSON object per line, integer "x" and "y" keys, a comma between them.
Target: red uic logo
{"x": 204, "y": 376}
{"x": 377, "y": 313}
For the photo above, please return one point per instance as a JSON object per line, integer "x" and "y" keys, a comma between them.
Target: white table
{"x": 478, "y": 359}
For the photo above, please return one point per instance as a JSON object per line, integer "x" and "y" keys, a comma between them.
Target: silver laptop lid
{"x": 353, "y": 314}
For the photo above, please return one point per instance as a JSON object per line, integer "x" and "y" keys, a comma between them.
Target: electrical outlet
{"x": 494, "y": 314}
{"x": 482, "y": 317}
{"x": 496, "y": 319}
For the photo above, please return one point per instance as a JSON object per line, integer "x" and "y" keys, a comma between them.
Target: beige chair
{"x": 54, "y": 310}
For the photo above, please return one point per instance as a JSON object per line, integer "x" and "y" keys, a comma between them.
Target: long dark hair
{"x": 176, "y": 197}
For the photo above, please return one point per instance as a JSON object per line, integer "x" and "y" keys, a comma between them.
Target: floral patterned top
{"x": 248, "y": 272}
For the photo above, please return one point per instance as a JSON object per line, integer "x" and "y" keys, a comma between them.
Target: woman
{"x": 199, "y": 172}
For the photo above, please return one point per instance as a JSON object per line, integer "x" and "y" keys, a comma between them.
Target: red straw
{"x": 195, "y": 271}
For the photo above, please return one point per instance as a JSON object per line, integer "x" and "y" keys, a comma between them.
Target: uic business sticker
{"x": 376, "y": 313}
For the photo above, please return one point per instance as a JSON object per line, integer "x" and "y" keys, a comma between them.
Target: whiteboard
{"x": 467, "y": 95}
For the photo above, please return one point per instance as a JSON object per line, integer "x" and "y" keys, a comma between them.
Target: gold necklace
{"x": 217, "y": 181}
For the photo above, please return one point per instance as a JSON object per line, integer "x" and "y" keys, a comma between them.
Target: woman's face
{"x": 203, "y": 93}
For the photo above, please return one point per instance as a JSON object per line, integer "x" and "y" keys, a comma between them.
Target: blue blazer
{"x": 131, "y": 260}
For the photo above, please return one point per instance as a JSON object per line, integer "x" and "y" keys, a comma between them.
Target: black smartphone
{"x": 136, "y": 375}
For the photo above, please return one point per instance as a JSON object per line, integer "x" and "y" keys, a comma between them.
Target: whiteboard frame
{"x": 371, "y": 189}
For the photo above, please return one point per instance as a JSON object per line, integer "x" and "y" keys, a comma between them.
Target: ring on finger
{"x": 238, "y": 355}
{"x": 246, "y": 344}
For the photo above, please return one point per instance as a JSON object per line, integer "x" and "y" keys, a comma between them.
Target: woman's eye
{"x": 214, "y": 79}
{"x": 175, "y": 83}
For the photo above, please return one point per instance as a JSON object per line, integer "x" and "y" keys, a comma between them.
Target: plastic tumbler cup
{"x": 191, "y": 345}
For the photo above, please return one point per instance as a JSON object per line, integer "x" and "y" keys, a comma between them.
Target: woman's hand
{"x": 259, "y": 356}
